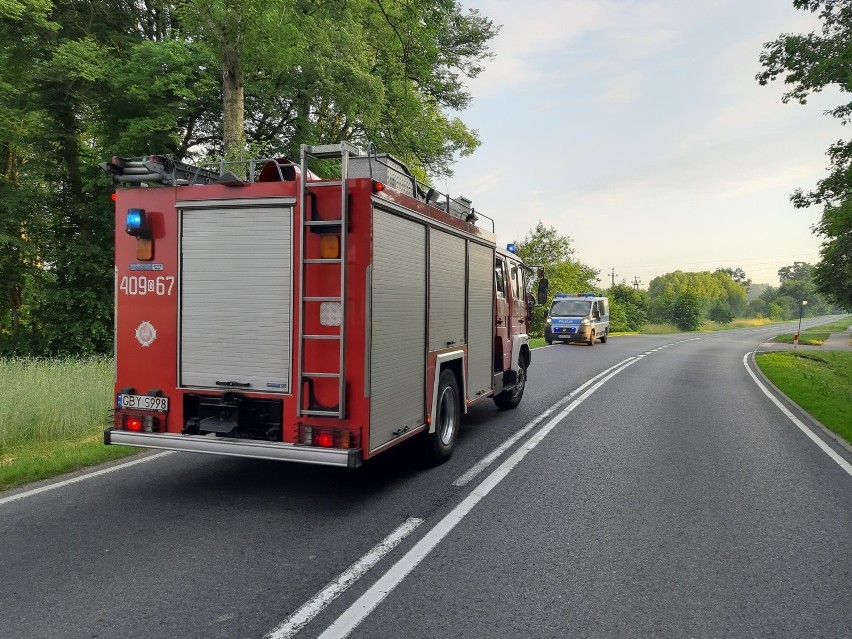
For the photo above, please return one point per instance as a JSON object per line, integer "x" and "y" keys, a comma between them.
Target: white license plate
{"x": 144, "y": 402}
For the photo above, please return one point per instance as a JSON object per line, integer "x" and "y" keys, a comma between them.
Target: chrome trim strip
{"x": 236, "y": 201}
{"x": 276, "y": 451}
{"x": 487, "y": 238}
{"x": 368, "y": 332}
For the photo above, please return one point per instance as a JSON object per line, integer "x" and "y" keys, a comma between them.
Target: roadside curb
{"x": 804, "y": 415}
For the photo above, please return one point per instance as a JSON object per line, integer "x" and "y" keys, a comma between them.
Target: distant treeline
{"x": 687, "y": 299}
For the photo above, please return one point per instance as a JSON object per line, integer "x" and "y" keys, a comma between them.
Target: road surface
{"x": 644, "y": 487}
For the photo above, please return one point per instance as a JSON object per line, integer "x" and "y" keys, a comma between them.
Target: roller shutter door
{"x": 480, "y": 318}
{"x": 446, "y": 290}
{"x": 398, "y": 359}
{"x": 236, "y": 287}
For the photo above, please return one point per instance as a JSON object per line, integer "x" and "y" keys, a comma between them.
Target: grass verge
{"x": 818, "y": 382}
{"x": 23, "y": 463}
{"x": 52, "y": 416}
{"x": 806, "y": 339}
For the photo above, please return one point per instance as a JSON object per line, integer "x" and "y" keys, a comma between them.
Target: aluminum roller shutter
{"x": 236, "y": 287}
{"x": 480, "y": 319}
{"x": 398, "y": 357}
{"x": 446, "y": 290}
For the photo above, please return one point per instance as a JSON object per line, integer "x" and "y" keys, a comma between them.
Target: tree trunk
{"x": 233, "y": 127}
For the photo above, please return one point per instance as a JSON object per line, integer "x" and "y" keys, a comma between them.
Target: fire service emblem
{"x": 146, "y": 333}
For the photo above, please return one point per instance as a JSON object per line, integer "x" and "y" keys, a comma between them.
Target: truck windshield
{"x": 571, "y": 308}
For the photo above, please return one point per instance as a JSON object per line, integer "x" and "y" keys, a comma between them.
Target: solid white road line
{"x": 315, "y": 605}
{"x": 494, "y": 454}
{"x": 845, "y": 465}
{"x": 74, "y": 480}
{"x": 365, "y": 604}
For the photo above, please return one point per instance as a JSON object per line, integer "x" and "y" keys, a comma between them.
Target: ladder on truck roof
{"x": 311, "y": 223}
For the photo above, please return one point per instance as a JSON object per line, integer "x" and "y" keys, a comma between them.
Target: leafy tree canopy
{"x": 808, "y": 63}
{"x": 546, "y": 247}
{"x": 82, "y": 81}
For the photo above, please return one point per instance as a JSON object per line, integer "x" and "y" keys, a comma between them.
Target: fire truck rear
{"x": 264, "y": 312}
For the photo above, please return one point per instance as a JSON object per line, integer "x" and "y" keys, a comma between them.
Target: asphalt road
{"x": 669, "y": 497}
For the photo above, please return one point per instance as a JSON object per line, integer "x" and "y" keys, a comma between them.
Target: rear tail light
{"x": 138, "y": 423}
{"x": 327, "y": 437}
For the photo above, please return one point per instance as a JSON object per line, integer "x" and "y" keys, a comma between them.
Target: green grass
{"x": 834, "y": 327}
{"x": 52, "y": 416}
{"x": 752, "y": 322}
{"x": 806, "y": 339}
{"x": 821, "y": 383}
{"x": 659, "y": 329}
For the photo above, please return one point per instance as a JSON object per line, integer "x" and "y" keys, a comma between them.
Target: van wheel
{"x": 511, "y": 398}
{"x": 549, "y": 341}
{"x": 447, "y": 418}
{"x": 605, "y": 336}
{"x": 591, "y": 341}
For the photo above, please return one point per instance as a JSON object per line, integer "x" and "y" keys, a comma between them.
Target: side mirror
{"x": 543, "y": 286}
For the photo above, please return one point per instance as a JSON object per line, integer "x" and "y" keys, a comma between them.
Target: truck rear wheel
{"x": 605, "y": 336}
{"x": 447, "y": 418}
{"x": 511, "y": 398}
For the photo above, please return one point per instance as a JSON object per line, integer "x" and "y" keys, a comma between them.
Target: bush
{"x": 687, "y": 311}
{"x": 721, "y": 312}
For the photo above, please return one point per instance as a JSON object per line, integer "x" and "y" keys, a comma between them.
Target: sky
{"x": 636, "y": 128}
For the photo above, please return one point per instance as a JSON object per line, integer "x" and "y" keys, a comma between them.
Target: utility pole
{"x": 636, "y": 282}
{"x": 614, "y": 274}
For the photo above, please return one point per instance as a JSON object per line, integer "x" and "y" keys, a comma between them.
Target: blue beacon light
{"x": 135, "y": 223}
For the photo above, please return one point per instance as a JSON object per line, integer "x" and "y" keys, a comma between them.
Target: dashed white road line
{"x": 74, "y": 480}
{"x": 365, "y": 604}
{"x": 315, "y": 605}
{"x": 494, "y": 454}
{"x": 845, "y": 465}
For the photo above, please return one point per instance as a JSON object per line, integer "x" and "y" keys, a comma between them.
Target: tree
{"x": 810, "y": 63}
{"x": 547, "y": 248}
{"x": 796, "y": 271}
{"x": 687, "y": 311}
{"x": 737, "y": 275}
{"x": 721, "y": 312}
{"x": 628, "y": 307}
{"x": 384, "y": 71}
{"x": 798, "y": 282}
{"x": 708, "y": 288}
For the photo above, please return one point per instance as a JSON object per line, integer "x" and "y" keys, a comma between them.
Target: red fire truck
{"x": 264, "y": 312}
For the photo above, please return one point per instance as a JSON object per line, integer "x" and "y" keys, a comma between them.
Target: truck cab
{"x": 577, "y": 317}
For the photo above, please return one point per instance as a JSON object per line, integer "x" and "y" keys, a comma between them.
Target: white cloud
{"x": 637, "y": 128}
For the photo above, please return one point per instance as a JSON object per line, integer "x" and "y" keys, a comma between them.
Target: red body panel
{"x": 148, "y": 293}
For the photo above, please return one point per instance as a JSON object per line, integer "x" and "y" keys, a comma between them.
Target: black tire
{"x": 605, "y": 336}
{"x": 591, "y": 341}
{"x": 549, "y": 341}
{"x": 511, "y": 398}
{"x": 447, "y": 419}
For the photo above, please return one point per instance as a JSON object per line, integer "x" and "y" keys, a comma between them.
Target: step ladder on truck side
{"x": 331, "y": 308}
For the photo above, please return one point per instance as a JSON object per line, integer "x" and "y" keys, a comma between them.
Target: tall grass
{"x": 46, "y": 401}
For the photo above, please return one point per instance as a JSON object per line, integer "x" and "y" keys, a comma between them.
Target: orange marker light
{"x": 330, "y": 247}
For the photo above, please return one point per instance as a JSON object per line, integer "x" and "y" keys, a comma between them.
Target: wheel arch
{"x": 453, "y": 361}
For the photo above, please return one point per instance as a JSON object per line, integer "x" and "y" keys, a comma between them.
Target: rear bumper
{"x": 252, "y": 449}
